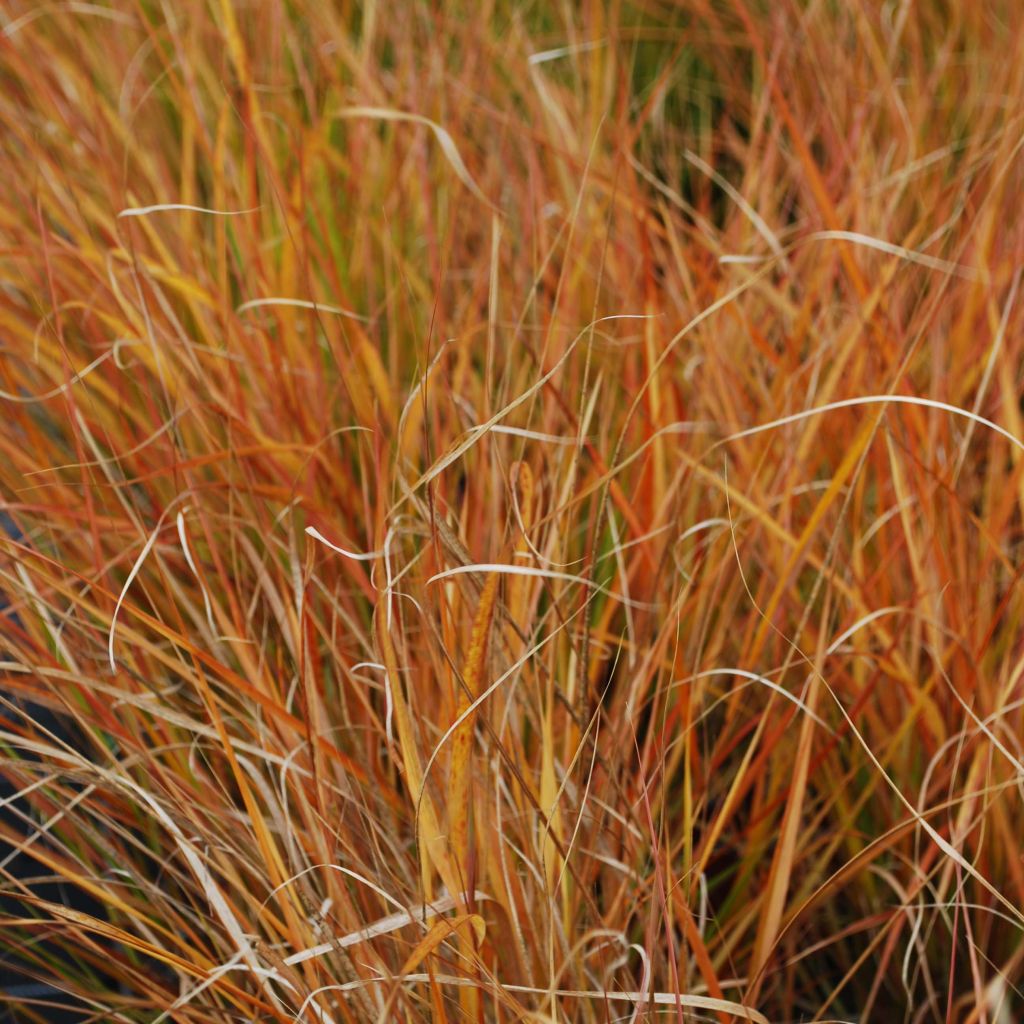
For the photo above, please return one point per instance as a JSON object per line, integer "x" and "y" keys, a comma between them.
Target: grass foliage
{"x": 517, "y": 508}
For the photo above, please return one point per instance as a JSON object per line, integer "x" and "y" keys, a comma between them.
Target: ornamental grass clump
{"x": 511, "y": 512}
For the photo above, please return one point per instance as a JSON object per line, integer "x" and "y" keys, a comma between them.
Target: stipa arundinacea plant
{"x": 510, "y": 513}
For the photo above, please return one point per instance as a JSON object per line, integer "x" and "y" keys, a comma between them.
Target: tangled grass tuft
{"x": 512, "y": 512}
